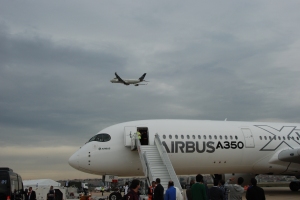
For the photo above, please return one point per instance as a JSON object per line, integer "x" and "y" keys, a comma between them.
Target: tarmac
{"x": 271, "y": 193}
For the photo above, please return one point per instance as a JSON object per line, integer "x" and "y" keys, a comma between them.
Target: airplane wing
{"x": 290, "y": 155}
{"x": 119, "y": 78}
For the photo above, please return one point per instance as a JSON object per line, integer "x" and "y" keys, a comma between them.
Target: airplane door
{"x": 248, "y": 138}
{"x": 129, "y": 132}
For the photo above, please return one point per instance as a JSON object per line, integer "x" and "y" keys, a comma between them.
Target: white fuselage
{"x": 128, "y": 81}
{"x": 194, "y": 147}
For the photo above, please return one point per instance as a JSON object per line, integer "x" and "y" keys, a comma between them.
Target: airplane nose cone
{"x": 73, "y": 161}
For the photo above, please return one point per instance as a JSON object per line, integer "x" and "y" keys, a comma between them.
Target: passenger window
{"x": 274, "y": 137}
{"x": 260, "y": 137}
{"x": 204, "y": 137}
{"x": 194, "y": 137}
{"x": 176, "y": 136}
{"x": 188, "y": 137}
{"x": 231, "y": 137}
{"x": 164, "y": 136}
{"x": 216, "y": 137}
{"x": 270, "y": 137}
{"x": 279, "y": 138}
{"x": 236, "y": 137}
{"x": 170, "y": 136}
{"x": 182, "y": 137}
{"x": 265, "y": 137}
{"x": 226, "y": 137}
{"x": 283, "y": 138}
{"x": 199, "y": 137}
{"x": 221, "y": 137}
{"x": 209, "y": 136}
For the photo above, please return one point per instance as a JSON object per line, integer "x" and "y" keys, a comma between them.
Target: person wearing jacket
{"x": 255, "y": 192}
{"x": 158, "y": 191}
{"x": 170, "y": 192}
{"x": 236, "y": 190}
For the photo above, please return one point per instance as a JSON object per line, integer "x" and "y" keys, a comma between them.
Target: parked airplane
{"x": 136, "y": 82}
{"x": 222, "y": 148}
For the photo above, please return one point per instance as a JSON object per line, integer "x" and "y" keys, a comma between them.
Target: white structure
{"x": 40, "y": 182}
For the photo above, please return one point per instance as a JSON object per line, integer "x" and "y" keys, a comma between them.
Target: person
{"x": 158, "y": 191}
{"x": 138, "y": 133}
{"x": 102, "y": 190}
{"x": 51, "y": 194}
{"x": 26, "y": 194}
{"x": 255, "y": 192}
{"x": 189, "y": 190}
{"x": 126, "y": 188}
{"x": 133, "y": 193}
{"x": 236, "y": 190}
{"x": 151, "y": 190}
{"x": 170, "y": 192}
{"x": 31, "y": 194}
{"x": 215, "y": 193}
{"x": 199, "y": 189}
{"x": 224, "y": 190}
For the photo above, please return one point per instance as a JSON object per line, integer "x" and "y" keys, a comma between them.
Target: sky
{"x": 205, "y": 60}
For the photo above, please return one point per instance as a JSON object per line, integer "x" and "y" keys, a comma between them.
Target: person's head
{"x": 30, "y": 188}
{"x": 51, "y": 187}
{"x": 171, "y": 183}
{"x": 192, "y": 182}
{"x": 135, "y": 184}
{"x": 253, "y": 181}
{"x": 222, "y": 182}
{"x": 157, "y": 180}
{"x": 153, "y": 183}
{"x": 240, "y": 180}
{"x": 199, "y": 178}
{"x": 216, "y": 182}
{"x": 126, "y": 183}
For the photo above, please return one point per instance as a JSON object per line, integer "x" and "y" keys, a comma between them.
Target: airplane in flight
{"x": 221, "y": 148}
{"x": 135, "y": 82}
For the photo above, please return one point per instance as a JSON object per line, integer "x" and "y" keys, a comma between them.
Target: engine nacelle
{"x": 225, "y": 177}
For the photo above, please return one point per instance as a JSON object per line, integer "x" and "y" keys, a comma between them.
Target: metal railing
{"x": 164, "y": 155}
{"x": 143, "y": 158}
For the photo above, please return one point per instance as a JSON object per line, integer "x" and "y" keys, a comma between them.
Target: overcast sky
{"x": 205, "y": 60}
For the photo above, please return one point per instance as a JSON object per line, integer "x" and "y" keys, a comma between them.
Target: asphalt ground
{"x": 271, "y": 193}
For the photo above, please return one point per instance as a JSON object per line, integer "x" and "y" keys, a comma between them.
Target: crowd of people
{"x": 198, "y": 190}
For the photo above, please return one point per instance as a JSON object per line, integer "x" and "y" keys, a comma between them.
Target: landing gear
{"x": 115, "y": 196}
{"x": 295, "y": 186}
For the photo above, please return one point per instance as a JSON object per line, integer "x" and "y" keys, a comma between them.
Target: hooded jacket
{"x": 236, "y": 191}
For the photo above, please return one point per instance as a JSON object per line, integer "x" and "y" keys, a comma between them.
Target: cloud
{"x": 204, "y": 60}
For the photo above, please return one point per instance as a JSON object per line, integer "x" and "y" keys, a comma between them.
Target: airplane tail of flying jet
{"x": 142, "y": 77}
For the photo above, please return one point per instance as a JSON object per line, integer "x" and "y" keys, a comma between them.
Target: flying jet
{"x": 221, "y": 148}
{"x": 135, "y": 82}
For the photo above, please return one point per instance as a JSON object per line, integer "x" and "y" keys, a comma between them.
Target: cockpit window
{"x": 102, "y": 137}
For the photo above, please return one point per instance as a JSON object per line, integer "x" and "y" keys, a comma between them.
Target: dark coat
{"x": 32, "y": 196}
{"x": 255, "y": 193}
{"x": 215, "y": 193}
{"x": 159, "y": 192}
